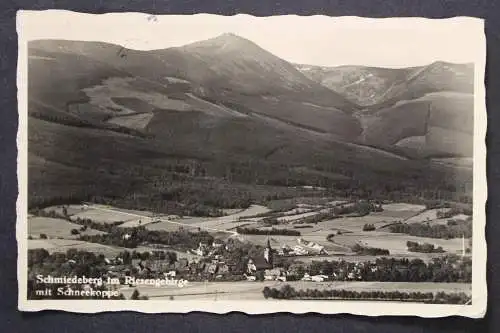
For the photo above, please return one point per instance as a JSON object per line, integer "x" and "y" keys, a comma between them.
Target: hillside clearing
{"x": 54, "y": 227}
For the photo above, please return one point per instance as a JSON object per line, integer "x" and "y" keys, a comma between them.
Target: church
{"x": 261, "y": 263}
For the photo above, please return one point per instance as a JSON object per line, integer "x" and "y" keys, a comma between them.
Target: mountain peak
{"x": 229, "y": 35}
{"x": 226, "y": 41}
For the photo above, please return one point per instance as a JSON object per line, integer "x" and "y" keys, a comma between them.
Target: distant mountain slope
{"x": 423, "y": 111}
{"x": 363, "y": 85}
{"x": 234, "y": 110}
{"x": 436, "y": 124}
{"x": 223, "y": 69}
{"x": 382, "y": 87}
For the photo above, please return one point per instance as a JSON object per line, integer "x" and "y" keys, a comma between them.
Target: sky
{"x": 314, "y": 40}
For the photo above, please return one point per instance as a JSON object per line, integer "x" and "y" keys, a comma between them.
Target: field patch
{"x": 291, "y": 218}
{"x": 136, "y": 121}
{"x": 62, "y": 245}
{"x": 169, "y": 226}
{"x": 355, "y": 224}
{"x": 396, "y": 243}
{"x": 427, "y": 216}
{"x": 54, "y": 227}
{"x": 399, "y": 210}
{"x": 107, "y": 215}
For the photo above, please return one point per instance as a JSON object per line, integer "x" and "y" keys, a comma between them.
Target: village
{"x": 301, "y": 242}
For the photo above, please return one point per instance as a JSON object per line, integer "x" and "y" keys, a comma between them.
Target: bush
{"x": 423, "y": 248}
{"x": 75, "y": 232}
{"x": 368, "y": 227}
{"x": 135, "y": 295}
{"x": 370, "y": 251}
{"x": 43, "y": 236}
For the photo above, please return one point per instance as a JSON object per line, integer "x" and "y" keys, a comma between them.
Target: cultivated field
{"x": 62, "y": 245}
{"x": 427, "y": 216}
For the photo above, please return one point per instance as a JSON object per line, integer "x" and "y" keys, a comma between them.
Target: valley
{"x": 196, "y": 159}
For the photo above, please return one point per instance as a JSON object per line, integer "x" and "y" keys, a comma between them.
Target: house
{"x": 211, "y": 269}
{"x": 217, "y": 243}
{"x": 274, "y": 274}
{"x": 319, "y": 278}
{"x": 170, "y": 274}
{"x": 250, "y": 277}
{"x": 299, "y": 251}
{"x": 315, "y": 247}
{"x": 181, "y": 264}
{"x": 223, "y": 268}
{"x": 306, "y": 277}
{"x": 258, "y": 264}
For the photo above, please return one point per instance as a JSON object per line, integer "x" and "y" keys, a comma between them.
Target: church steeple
{"x": 268, "y": 252}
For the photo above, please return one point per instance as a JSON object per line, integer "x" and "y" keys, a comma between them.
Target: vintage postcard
{"x": 212, "y": 163}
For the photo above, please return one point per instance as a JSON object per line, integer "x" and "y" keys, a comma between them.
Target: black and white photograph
{"x": 179, "y": 163}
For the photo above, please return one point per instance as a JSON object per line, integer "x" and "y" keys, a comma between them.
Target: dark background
{"x": 14, "y": 321}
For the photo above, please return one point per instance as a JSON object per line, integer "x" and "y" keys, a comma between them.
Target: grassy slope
{"x": 86, "y": 160}
{"x": 446, "y": 129}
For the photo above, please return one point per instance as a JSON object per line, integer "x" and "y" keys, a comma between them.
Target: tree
{"x": 43, "y": 236}
{"x": 75, "y": 232}
{"x": 368, "y": 227}
{"x": 135, "y": 295}
{"x": 266, "y": 292}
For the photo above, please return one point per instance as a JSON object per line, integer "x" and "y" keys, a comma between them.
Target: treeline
{"x": 461, "y": 228}
{"x": 273, "y": 231}
{"x": 442, "y": 269}
{"x": 360, "y": 208}
{"x": 369, "y": 251}
{"x": 319, "y": 217}
{"x": 127, "y": 256}
{"x": 61, "y": 118}
{"x": 423, "y": 248}
{"x": 312, "y": 219}
{"x": 288, "y": 292}
{"x": 133, "y": 237}
{"x": 70, "y": 120}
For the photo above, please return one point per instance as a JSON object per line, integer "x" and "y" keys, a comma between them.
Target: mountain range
{"x": 97, "y": 109}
